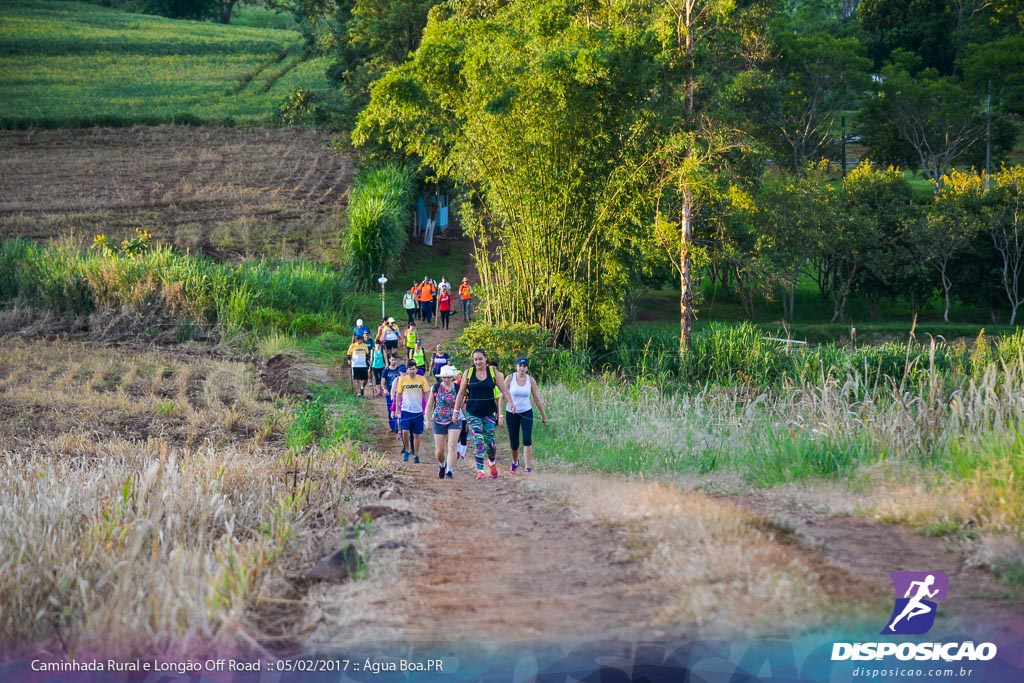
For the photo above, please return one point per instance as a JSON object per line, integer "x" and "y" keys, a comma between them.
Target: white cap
{"x": 391, "y": 320}
{"x": 448, "y": 371}
{"x": 359, "y": 323}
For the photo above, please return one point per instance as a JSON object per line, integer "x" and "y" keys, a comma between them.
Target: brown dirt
{"x": 514, "y": 559}
{"x": 222, "y": 192}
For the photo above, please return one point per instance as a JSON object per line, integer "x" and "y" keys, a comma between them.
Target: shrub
{"x": 378, "y": 219}
{"x": 505, "y": 343}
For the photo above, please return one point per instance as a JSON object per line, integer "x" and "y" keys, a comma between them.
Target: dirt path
{"x": 578, "y": 556}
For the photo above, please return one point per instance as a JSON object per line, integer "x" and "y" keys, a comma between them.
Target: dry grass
{"x": 718, "y": 569}
{"x": 217, "y": 191}
{"x": 149, "y": 506}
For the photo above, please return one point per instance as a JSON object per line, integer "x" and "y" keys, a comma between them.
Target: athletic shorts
{"x": 360, "y": 373}
{"x": 391, "y": 344}
{"x": 412, "y": 422}
{"x": 443, "y": 429}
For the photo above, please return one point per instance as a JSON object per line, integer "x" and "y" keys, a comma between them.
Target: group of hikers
{"x": 457, "y": 405}
{"x": 432, "y": 301}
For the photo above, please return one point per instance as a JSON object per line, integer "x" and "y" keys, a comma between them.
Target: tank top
{"x": 520, "y": 395}
{"x": 480, "y": 395}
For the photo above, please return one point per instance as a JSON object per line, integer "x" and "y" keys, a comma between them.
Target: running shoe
{"x": 405, "y": 456}
{"x": 440, "y": 472}
{"x": 514, "y": 468}
{"x": 529, "y": 470}
{"x": 416, "y": 459}
{"x": 479, "y": 474}
{"x": 449, "y": 475}
{"x": 494, "y": 469}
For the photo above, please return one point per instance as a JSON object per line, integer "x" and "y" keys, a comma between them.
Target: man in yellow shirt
{"x": 358, "y": 353}
{"x": 410, "y": 391}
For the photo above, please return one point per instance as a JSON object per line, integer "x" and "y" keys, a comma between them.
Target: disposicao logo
{"x": 912, "y": 615}
{"x": 914, "y": 612}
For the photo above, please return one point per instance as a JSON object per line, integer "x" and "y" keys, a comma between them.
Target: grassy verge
{"x": 68, "y": 64}
{"x": 941, "y": 452}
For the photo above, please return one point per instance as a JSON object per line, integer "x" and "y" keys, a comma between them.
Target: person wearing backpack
{"x": 391, "y": 334}
{"x": 477, "y": 394}
{"x": 409, "y": 303}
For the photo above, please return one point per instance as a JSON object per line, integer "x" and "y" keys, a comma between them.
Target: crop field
{"x": 67, "y": 64}
{"x": 225, "y": 193}
{"x": 153, "y": 501}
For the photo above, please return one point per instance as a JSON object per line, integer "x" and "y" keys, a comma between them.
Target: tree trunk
{"x": 685, "y": 274}
{"x": 226, "y": 7}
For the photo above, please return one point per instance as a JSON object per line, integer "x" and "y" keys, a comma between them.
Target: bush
{"x": 379, "y": 211}
{"x": 505, "y": 343}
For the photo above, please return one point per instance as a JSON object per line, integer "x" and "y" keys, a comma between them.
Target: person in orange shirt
{"x": 426, "y": 298}
{"x": 466, "y": 295}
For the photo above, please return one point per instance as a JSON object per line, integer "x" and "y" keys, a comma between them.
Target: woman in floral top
{"x": 441, "y": 411}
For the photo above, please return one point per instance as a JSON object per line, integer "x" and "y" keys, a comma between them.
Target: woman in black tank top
{"x": 477, "y": 394}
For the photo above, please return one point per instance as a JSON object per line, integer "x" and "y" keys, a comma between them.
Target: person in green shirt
{"x": 420, "y": 357}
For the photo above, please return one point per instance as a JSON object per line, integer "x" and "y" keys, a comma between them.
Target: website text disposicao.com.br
{"x": 868, "y": 672}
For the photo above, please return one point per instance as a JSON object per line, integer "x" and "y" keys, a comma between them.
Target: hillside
{"x": 68, "y": 64}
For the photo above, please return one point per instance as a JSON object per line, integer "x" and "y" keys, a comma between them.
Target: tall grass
{"x": 164, "y": 287}
{"x": 959, "y": 428}
{"x": 379, "y": 214}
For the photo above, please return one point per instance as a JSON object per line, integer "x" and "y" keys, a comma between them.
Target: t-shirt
{"x": 409, "y": 300}
{"x": 413, "y": 390}
{"x": 391, "y": 333}
{"x": 439, "y": 360}
{"x": 378, "y": 360}
{"x": 390, "y": 375}
{"x": 427, "y": 292}
{"x": 444, "y": 302}
{"x": 465, "y": 291}
{"x": 359, "y": 352}
{"x": 360, "y": 331}
{"x": 444, "y": 404}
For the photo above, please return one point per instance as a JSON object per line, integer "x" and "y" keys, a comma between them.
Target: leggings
{"x": 377, "y": 372}
{"x": 483, "y": 438}
{"x": 513, "y": 421}
{"x": 445, "y": 315}
{"x": 411, "y": 312}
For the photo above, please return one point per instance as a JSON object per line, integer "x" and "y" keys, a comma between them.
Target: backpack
{"x": 497, "y": 391}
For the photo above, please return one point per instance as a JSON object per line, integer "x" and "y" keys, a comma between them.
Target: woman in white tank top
{"x": 522, "y": 391}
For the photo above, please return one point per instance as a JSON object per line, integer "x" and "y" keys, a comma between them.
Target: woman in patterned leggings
{"x": 476, "y": 392}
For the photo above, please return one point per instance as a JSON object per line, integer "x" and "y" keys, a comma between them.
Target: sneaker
{"x": 440, "y": 472}
{"x": 416, "y": 459}
{"x": 479, "y": 474}
{"x": 405, "y": 456}
{"x": 514, "y": 468}
{"x": 529, "y": 470}
{"x": 494, "y": 469}
{"x": 360, "y": 393}
{"x": 449, "y": 475}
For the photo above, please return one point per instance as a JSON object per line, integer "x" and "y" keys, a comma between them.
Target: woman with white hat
{"x": 441, "y": 411}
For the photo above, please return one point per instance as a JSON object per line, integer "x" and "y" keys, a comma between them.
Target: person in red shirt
{"x": 444, "y": 307}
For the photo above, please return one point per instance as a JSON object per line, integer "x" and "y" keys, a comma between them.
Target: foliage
{"x": 162, "y": 286}
{"x": 506, "y": 342}
{"x": 494, "y": 102}
{"x": 67, "y": 64}
{"x": 378, "y": 222}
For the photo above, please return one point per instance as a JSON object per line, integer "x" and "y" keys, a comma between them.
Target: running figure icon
{"x": 914, "y": 612}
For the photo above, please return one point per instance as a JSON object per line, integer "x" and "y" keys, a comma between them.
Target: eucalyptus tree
{"x": 531, "y": 105}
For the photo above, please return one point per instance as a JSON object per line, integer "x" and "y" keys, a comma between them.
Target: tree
{"x": 1005, "y": 208}
{"x": 926, "y": 118}
{"x": 798, "y": 101}
{"x": 527, "y": 106}
{"x": 953, "y": 220}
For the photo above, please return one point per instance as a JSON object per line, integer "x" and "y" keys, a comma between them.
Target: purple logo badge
{"x": 916, "y": 593}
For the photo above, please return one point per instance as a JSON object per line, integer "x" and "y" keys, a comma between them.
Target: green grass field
{"x": 65, "y": 64}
